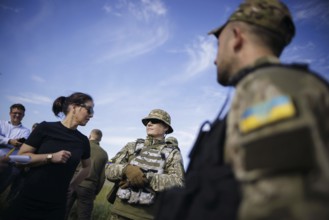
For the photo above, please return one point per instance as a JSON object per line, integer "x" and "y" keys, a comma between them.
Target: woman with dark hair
{"x": 55, "y": 148}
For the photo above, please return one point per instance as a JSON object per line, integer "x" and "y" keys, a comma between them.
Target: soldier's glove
{"x": 135, "y": 176}
{"x": 123, "y": 184}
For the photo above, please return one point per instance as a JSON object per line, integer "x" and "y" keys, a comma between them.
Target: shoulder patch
{"x": 267, "y": 112}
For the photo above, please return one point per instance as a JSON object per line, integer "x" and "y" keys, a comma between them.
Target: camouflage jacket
{"x": 278, "y": 122}
{"x": 173, "y": 170}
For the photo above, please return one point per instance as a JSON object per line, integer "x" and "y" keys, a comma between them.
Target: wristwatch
{"x": 49, "y": 157}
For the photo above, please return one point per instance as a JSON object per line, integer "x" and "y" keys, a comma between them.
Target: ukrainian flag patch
{"x": 261, "y": 114}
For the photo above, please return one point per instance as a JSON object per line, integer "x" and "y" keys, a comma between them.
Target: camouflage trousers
{"x": 289, "y": 197}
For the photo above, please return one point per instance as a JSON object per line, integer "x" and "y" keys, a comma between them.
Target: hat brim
{"x": 217, "y": 31}
{"x": 145, "y": 121}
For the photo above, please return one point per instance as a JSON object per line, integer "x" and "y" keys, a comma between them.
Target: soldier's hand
{"x": 135, "y": 176}
{"x": 123, "y": 184}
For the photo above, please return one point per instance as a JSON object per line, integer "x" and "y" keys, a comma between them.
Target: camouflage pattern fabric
{"x": 270, "y": 14}
{"x": 172, "y": 141}
{"x": 277, "y": 141}
{"x": 170, "y": 175}
{"x": 160, "y": 115}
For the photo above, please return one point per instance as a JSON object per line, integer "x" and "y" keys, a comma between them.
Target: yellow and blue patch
{"x": 261, "y": 114}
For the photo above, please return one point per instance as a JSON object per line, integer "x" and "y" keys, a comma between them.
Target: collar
{"x": 19, "y": 125}
{"x": 94, "y": 141}
{"x": 151, "y": 141}
{"x": 260, "y": 62}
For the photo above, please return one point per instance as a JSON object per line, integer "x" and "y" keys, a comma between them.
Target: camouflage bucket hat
{"x": 172, "y": 140}
{"x": 270, "y": 14}
{"x": 160, "y": 115}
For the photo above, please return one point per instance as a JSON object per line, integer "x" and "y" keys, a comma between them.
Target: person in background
{"x": 86, "y": 192}
{"x": 12, "y": 136}
{"x": 55, "y": 148}
{"x": 13, "y": 133}
{"x": 145, "y": 168}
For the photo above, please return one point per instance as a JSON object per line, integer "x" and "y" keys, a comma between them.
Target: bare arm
{"x": 40, "y": 159}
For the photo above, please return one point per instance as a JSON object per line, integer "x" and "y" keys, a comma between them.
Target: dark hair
{"x": 272, "y": 40}
{"x": 18, "y": 106}
{"x": 62, "y": 103}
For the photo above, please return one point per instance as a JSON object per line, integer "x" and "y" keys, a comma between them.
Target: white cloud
{"x": 309, "y": 53}
{"x": 218, "y": 93}
{"x": 312, "y": 11}
{"x": 144, "y": 10}
{"x": 141, "y": 27}
{"x": 154, "y": 6}
{"x": 145, "y": 40}
{"x": 38, "y": 79}
{"x": 299, "y": 52}
{"x": 308, "y": 46}
{"x": 8, "y": 8}
{"x": 200, "y": 57}
{"x": 30, "y": 98}
{"x": 114, "y": 97}
{"x": 107, "y": 8}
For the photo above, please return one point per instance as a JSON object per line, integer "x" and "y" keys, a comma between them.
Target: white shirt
{"x": 10, "y": 131}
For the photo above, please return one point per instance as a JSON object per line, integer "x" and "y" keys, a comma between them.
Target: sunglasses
{"x": 90, "y": 109}
{"x": 154, "y": 121}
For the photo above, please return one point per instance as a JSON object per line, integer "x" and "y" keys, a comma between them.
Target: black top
{"x": 50, "y": 182}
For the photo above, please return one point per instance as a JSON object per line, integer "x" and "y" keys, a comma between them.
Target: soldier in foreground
{"x": 277, "y": 129}
{"x": 275, "y": 137}
{"x": 143, "y": 169}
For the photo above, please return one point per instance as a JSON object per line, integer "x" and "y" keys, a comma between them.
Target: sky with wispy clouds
{"x": 132, "y": 56}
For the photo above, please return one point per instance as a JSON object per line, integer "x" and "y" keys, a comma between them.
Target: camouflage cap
{"x": 172, "y": 140}
{"x": 270, "y": 14}
{"x": 160, "y": 115}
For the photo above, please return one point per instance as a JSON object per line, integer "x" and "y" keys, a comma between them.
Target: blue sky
{"x": 132, "y": 56}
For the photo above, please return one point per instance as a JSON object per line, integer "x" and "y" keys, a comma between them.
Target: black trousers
{"x": 24, "y": 208}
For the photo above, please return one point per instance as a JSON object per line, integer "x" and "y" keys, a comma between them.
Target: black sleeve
{"x": 36, "y": 137}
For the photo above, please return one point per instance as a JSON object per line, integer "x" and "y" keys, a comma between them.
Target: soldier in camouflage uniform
{"x": 144, "y": 168}
{"x": 277, "y": 136}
